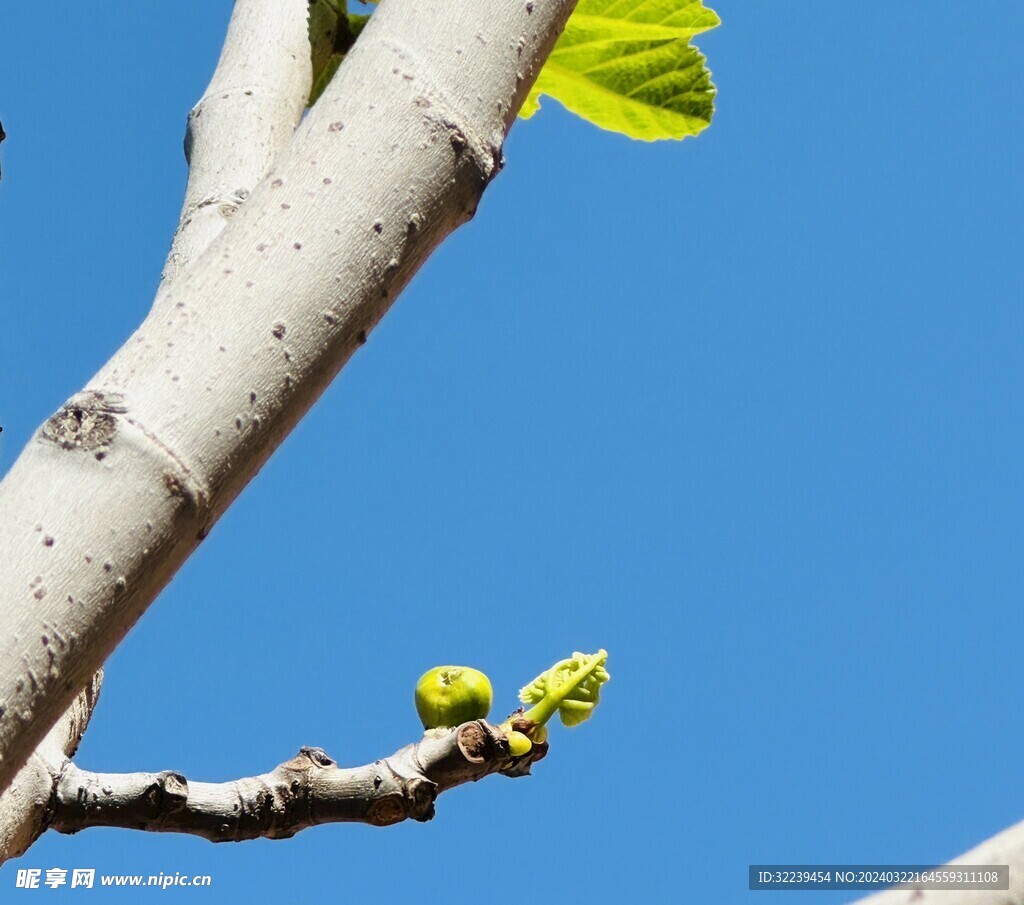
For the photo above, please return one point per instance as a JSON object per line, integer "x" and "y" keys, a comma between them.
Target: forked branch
{"x": 25, "y": 805}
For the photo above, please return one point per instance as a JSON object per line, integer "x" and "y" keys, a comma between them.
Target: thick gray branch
{"x": 308, "y": 790}
{"x": 246, "y": 116}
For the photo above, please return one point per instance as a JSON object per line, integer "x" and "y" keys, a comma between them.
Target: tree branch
{"x": 246, "y": 116}
{"x": 122, "y": 483}
{"x": 308, "y": 790}
{"x": 1005, "y": 848}
{"x": 25, "y": 806}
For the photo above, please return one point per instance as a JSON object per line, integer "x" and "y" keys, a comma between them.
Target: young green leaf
{"x": 332, "y": 32}
{"x": 324, "y": 78}
{"x": 572, "y": 688}
{"x": 323, "y": 29}
{"x": 629, "y": 67}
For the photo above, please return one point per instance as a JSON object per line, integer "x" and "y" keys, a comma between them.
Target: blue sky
{"x": 744, "y": 410}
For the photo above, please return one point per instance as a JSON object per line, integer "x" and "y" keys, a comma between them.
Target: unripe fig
{"x": 452, "y": 695}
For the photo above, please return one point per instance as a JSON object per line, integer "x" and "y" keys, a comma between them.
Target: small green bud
{"x": 518, "y": 743}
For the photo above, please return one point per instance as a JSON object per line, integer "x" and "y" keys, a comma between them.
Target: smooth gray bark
{"x": 1005, "y": 848}
{"x": 247, "y": 114}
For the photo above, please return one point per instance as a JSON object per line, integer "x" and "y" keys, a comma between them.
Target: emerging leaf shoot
{"x": 571, "y": 688}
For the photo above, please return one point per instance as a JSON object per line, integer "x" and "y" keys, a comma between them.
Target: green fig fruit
{"x": 452, "y": 695}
